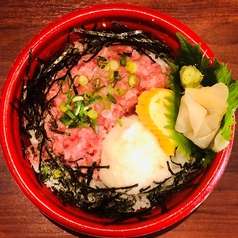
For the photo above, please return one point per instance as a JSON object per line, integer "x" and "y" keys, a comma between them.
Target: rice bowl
{"x": 186, "y": 202}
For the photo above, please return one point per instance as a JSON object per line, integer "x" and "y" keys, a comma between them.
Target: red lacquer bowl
{"x": 43, "y": 45}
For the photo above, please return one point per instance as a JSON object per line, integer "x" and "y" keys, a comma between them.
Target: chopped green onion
{"x": 134, "y": 80}
{"x": 119, "y": 91}
{"x": 71, "y": 115}
{"x": 88, "y": 95}
{"x": 83, "y": 124}
{"x": 123, "y": 60}
{"x": 45, "y": 172}
{"x": 110, "y": 88}
{"x": 101, "y": 62}
{"x": 111, "y": 98}
{"x": 119, "y": 121}
{"x": 69, "y": 97}
{"x": 77, "y": 110}
{"x": 114, "y": 78}
{"x": 114, "y": 65}
{"x": 64, "y": 107}
{"x": 131, "y": 67}
{"x": 77, "y": 98}
{"x": 106, "y": 103}
{"x": 111, "y": 76}
{"x": 71, "y": 124}
{"x": 95, "y": 99}
{"x": 78, "y": 103}
{"x": 117, "y": 76}
{"x": 83, "y": 109}
{"x": 94, "y": 126}
{"x": 66, "y": 120}
{"x": 57, "y": 173}
{"x": 81, "y": 79}
{"x": 86, "y": 108}
{"x": 93, "y": 114}
{"x": 98, "y": 89}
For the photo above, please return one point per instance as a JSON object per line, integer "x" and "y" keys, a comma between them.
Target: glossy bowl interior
{"x": 43, "y": 45}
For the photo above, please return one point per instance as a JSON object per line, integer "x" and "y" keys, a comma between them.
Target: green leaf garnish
{"x": 213, "y": 72}
{"x": 224, "y": 76}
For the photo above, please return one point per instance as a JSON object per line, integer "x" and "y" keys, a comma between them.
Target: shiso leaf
{"x": 224, "y": 76}
{"x": 191, "y": 55}
{"x": 185, "y": 145}
{"x": 213, "y": 72}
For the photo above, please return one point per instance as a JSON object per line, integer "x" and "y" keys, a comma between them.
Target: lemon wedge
{"x": 151, "y": 110}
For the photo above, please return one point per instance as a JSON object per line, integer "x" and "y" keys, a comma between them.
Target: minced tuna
{"x": 82, "y": 146}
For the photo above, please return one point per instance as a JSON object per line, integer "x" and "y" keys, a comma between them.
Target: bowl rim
{"x": 42, "y": 204}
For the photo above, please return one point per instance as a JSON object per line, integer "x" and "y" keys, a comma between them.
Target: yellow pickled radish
{"x": 151, "y": 111}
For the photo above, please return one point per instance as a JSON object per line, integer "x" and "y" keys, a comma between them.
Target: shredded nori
{"x": 123, "y": 35}
{"x": 72, "y": 185}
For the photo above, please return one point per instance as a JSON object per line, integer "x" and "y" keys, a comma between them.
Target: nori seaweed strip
{"x": 165, "y": 48}
{"x": 60, "y": 132}
{"x": 98, "y": 38}
{"x": 170, "y": 170}
{"x": 158, "y": 195}
{"x": 135, "y": 36}
{"x": 141, "y": 215}
{"x": 117, "y": 36}
{"x": 40, "y": 148}
{"x": 28, "y": 67}
{"x": 109, "y": 202}
{"x": 178, "y": 164}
